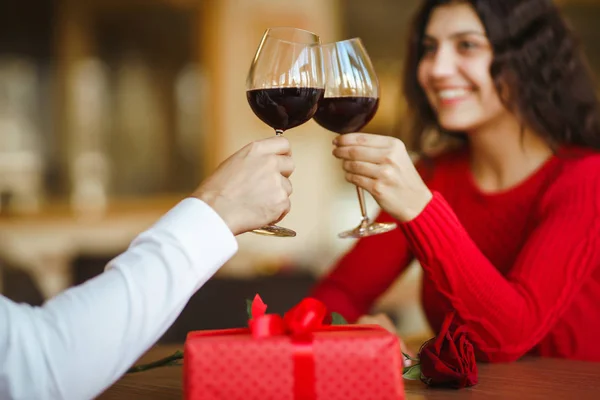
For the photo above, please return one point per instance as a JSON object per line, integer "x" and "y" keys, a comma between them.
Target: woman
{"x": 507, "y": 228}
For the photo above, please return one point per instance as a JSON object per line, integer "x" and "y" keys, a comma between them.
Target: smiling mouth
{"x": 452, "y": 96}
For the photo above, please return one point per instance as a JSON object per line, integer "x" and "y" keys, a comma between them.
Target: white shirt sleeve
{"x": 80, "y": 342}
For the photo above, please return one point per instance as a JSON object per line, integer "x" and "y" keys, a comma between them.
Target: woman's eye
{"x": 467, "y": 45}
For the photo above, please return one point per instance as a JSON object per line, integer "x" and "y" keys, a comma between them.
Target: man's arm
{"x": 84, "y": 339}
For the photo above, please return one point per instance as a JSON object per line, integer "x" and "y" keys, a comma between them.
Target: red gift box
{"x": 296, "y": 358}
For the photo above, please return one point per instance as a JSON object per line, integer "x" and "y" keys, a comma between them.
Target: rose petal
{"x": 449, "y": 358}
{"x": 436, "y": 371}
{"x": 449, "y": 352}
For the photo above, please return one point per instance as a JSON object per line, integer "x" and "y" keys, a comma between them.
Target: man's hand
{"x": 251, "y": 188}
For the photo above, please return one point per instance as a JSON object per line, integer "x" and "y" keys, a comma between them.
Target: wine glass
{"x": 350, "y": 102}
{"x": 284, "y": 85}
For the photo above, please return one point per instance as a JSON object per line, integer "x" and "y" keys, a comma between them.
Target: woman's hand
{"x": 385, "y": 322}
{"x": 382, "y": 166}
{"x": 378, "y": 319}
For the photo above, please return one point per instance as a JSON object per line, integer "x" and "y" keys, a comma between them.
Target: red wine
{"x": 346, "y": 114}
{"x": 284, "y": 108}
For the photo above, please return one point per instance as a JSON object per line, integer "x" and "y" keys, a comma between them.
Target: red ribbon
{"x": 300, "y": 322}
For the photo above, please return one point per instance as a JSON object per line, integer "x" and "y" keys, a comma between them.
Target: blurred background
{"x": 112, "y": 110}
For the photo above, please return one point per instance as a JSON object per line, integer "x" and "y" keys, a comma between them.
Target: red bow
{"x": 306, "y": 317}
{"x": 299, "y": 322}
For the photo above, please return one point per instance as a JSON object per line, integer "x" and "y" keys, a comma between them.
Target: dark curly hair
{"x": 536, "y": 58}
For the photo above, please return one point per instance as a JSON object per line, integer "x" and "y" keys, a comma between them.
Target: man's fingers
{"x": 286, "y": 165}
{"x": 274, "y": 145}
{"x": 287, "y": 185}
{"x": 287, "y": 207}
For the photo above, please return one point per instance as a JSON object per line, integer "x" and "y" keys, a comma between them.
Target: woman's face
{"x": 454, "y": 71}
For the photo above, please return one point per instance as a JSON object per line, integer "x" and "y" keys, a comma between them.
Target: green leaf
{"x": 249, "y": 308}
{"x": 337, "y": 319}
{"x": 412, "y": 373}
{"x": 409, "y": 357}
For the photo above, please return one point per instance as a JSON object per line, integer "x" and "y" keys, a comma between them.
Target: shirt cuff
{"x": 198, "y": 229}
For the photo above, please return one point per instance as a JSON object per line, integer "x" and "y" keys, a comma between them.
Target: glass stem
{"x": 279, "y": 132}
{"x": 363, "y": 207}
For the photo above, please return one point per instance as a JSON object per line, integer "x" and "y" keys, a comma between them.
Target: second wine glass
{"x": 284, "y": 85}
{"x": 351, "y": 100}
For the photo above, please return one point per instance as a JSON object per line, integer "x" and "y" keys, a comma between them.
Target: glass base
{"x": 368, "y": 229}
{"x": 274, "y": 230}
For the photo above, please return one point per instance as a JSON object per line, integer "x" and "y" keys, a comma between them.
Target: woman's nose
{"x": 443, "y": 63}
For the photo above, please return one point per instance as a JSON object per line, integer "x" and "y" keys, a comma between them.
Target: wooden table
{"x": 530, "y": 378}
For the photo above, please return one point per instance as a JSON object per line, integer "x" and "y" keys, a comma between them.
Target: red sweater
{"x": 521, "y": 267}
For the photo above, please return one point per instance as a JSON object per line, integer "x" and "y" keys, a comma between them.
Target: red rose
{"x": 448, "y": 359}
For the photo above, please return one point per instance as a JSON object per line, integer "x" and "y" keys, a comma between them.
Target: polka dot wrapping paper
{"x": 343, "y": 362}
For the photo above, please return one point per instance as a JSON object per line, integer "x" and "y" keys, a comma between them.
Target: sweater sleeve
{"x": 364, "y": 273}
{"x": 509, "y": 315}
{"x": 370, "y": 267}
